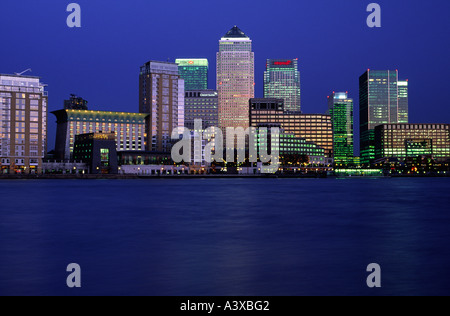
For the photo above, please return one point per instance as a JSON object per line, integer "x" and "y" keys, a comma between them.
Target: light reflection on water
{"x": 225, "y": 236}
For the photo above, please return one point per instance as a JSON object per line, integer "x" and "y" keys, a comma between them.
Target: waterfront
{"x": 225, "y": 236}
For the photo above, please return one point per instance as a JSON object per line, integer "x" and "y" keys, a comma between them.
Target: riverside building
{"x": 23, "y": 124}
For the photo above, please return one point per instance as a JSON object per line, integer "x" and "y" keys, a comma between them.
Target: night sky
{"x": 100, "y": 61}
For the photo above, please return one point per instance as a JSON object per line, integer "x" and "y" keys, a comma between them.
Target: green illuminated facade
{"x": 383, "y": 99}
{"x": 289, "y": 144}
{"x": 194, "y": 72}
{"x": 340, "y": 107}
{"x": 282, "y": 81}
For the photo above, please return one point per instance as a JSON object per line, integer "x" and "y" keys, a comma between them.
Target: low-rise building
{"x": 129, "y": 129}
{"x": 404, "y": 141}
{"x": 98, "y": 151}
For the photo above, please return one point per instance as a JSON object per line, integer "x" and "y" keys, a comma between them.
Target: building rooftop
{"x": 235, "y": 32}
{"x": 64, "y": 115}
{"x": 20, "y": 76}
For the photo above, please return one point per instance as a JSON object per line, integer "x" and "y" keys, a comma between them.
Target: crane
{"x": 21, "y": 73}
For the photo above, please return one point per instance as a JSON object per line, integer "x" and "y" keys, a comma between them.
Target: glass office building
{"x": 411, "y": 140}
{"x": 282, "y": 81}
{"x": 340, "y": 107}
{"x": 97, "y": 151}
{"x": 235, "y": 78}
{"x": 403, "y": 108}
{"x": 23, "y": 124}
{"x": 194, "y": 72}
{"x": 380, "y": 103}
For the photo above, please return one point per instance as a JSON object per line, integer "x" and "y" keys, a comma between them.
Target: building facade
{"x": 23, "y": 124}
{"x": 97, "y": 151}
{"x": 291, "y": 147}
{"x": 282, "y": 81}
{"x": 194, "y": 72}
{"x": 181, "y": 103}
{"x": 340, "y": 107}
{"x": 383, "y": 99}
{"x": 403, "y": 104}
{"x": 75, "y": 103}
{"x": 129, "y": 129}
{"x": 235, "y": 78}
{"x": 201, "y": 105}
{"x": 159, "y": 97}
{"x": 412, "y": 140}
{"x": 315, "y": 128}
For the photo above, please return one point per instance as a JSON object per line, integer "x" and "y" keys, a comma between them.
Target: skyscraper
{"x": 379, "y": 103}
{"x": 159, "y": 96}
{"x": 23, "y": 124}
{"x": 235, "y": 78}
{"x": 340, "y": 107}
{"x": 194, "y": 72}
{"x": 282, "y": 81}
{"x": 403, "y": 116}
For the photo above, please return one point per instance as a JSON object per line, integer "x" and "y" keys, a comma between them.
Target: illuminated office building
{"x": 129, "y": 129}
{"x": 194, "y": 72}
{"x": 159, "y": 96}
{"x": 411, "y": 140}
{"x": 98, "y": 151}
{"x": 282, "y": 81}
{"x": 235, "y": 78}
{"x": 75, "y": 103}
{"x": 201, "y": 105}
{"x": 383, "y": 99}
{"x": 340, "y": 107}
{"x": 23, "y": 124}
{"x": 403, "y": 107}
{"x": 316, "y": 128}
{"x": 289, "y": 144}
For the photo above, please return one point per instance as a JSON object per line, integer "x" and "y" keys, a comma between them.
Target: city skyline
{"x": 322, "y": 70}
{"x": 319, "y": 129}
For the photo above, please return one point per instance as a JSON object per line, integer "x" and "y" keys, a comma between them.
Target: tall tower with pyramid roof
{"x": 235, "y": 78}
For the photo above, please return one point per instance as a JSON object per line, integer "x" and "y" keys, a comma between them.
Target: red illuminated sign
{"x": 283, "y": 63}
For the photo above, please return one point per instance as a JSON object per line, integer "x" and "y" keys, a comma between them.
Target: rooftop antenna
{"x": 21, "y": 73}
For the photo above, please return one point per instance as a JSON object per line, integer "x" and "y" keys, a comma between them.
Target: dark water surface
{"x": 225, "y": 236}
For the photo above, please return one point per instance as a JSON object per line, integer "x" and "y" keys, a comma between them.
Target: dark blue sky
{"x": 101, "y": 60}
